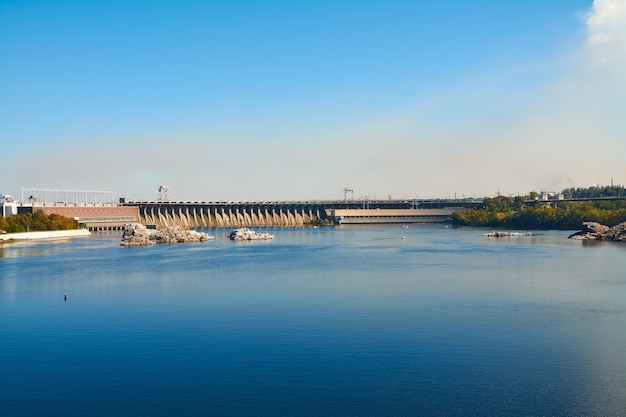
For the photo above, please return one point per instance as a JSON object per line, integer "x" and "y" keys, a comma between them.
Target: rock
{"x": 590, "y": 231}
{"x": 507, "y": 234}
{"x": 139, "y": 235}
{"x": 593, "y": 227}
{"x": 617, "y": 233}
{"x": 597, "y": 231}
{"x": 247, "y": 234}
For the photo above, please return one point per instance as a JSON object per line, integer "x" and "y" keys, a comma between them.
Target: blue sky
{"x": 292, "y": 100}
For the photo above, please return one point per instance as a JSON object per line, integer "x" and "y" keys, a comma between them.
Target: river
{"x": 417, "y": 320}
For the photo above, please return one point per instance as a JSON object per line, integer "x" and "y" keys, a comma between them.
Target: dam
{"x": 240, "y": 214}
{"x": 97, "y": 210}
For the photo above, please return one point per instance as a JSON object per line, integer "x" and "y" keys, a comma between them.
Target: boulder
{"x": 597, "y": 231}
{"x": 247, "y": 234}
{"x": 617, "y": 233}
{"x": 590, "y": 231}
{"x": 140, "y": 235}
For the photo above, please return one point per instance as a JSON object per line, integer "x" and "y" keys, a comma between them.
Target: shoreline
{"x": 47, "y": 234}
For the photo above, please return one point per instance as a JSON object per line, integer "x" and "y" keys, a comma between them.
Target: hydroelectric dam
{"x": 97, "y": 210}
{"x": 196, "y": 214}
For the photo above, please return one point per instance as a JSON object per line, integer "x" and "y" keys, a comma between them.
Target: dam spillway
{"x": 242, "y": 214}
{"x": 195, "y": 214}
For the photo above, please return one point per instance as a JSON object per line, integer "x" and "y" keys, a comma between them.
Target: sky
{"x": 298, "y": 100}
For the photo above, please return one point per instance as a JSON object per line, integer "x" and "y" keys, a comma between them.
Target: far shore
{"x": 48, "y": 234}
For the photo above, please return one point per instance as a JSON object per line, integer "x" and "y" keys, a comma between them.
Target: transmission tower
{"x": 347, "y": 192}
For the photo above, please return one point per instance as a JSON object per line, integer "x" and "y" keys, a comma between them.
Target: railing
{"x": 129, "y": 219}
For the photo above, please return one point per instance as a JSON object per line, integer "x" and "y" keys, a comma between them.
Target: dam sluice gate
{"x": 229, "y": 215}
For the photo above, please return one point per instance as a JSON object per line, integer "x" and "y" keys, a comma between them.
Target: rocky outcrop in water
{"x": 247, "y": 234}
{"x": 139, "y": 235}
{"x": 507, "y": 234}
{"x": 597, "y": 231}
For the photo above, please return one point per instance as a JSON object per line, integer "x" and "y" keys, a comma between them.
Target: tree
{"x": 37, "y": 221}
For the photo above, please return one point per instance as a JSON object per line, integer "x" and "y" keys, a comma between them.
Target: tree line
{"x": 595, "y": 192}
{"x": 37, "y": 221}
{"x": 527, "y": 213}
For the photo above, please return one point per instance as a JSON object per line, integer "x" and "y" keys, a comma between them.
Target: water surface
{"x": 346, "y": 321}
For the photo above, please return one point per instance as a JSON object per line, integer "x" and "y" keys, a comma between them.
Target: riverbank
{"x": 48, "y": 234}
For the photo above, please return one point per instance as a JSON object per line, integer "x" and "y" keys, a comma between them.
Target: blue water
{"x": 346, "y": 321}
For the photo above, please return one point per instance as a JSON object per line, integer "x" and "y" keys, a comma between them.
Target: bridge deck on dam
{"x": 294, "y": 213}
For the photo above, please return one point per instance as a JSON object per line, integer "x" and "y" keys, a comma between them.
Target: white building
{"x": 9, "y": 206}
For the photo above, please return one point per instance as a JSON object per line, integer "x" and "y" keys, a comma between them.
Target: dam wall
{"x": 194, "y": 215}
{"x": 243, "y": 214}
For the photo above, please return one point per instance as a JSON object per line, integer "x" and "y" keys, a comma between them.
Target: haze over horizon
{"x": 281, "y": 100}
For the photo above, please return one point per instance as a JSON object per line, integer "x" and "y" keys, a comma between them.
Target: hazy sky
{"x": 292, "y": 100}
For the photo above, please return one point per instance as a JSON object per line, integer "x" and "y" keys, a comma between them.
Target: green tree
{"x": 37, "y": 221}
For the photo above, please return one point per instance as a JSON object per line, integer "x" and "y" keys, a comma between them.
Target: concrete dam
{"x": 240, "y": 214}
{"x": 190, "y": 214}
{"x": 97, "y": 211}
